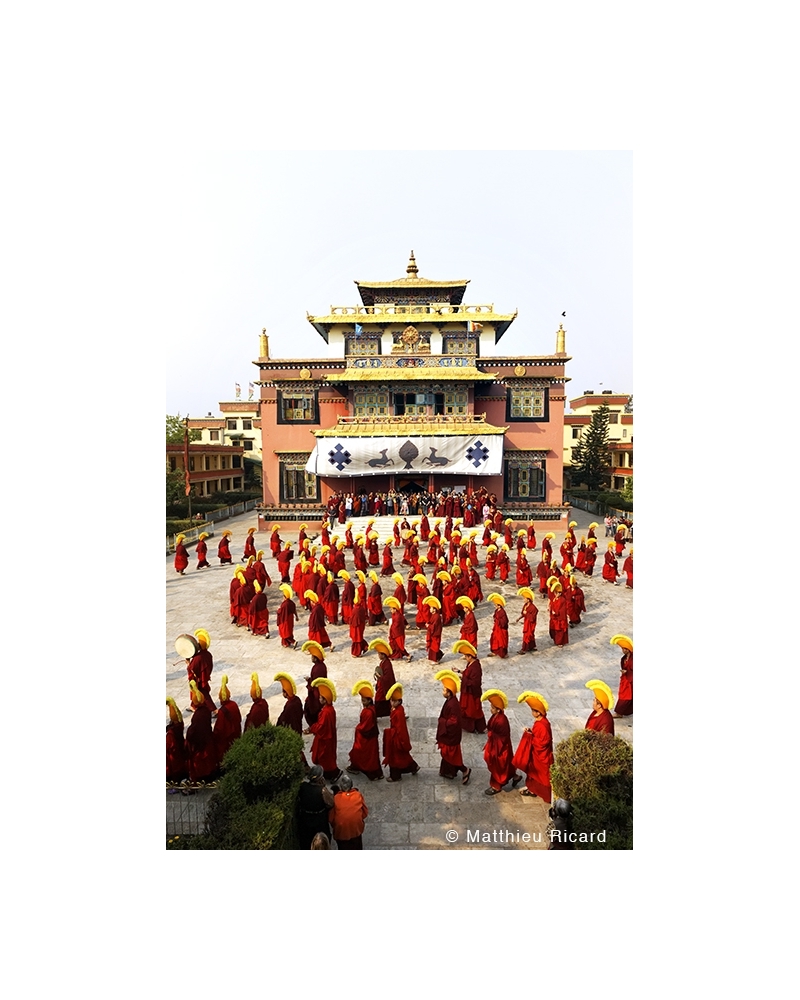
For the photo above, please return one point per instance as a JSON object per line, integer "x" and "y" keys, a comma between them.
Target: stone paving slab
{"x": 417, "y": 812}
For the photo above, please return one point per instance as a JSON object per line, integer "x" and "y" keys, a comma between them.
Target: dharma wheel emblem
{"x": 305, "y": 373}
{"x": 519, "y": 370}
{"x": 410, "y": 336}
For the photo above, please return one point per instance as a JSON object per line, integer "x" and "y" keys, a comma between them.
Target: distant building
{"x": 620, "y": 432}
{"x": 213, "y": 468}
{"x": 410, "y": 397}
{"x": 240, "y": 424}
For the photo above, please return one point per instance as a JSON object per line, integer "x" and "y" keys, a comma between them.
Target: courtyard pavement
{"x": 424, "y": 811}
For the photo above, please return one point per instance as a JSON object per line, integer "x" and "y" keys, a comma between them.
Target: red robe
{"x": 503, "y": 565}
{"x": 610, "y": 567}
{"x": 227, "y": 727}
{"x": 244, "y": 595}
{"x": 624, "y": 704}
{"x": 365, "y": 756}
{"x": 330, "y": 602}
{"x": 469, "y": 630}
{"x": 323, "y": 749}
{"x": 375, "y": 605}
{"x": 224, "y": 551}
{"x": 382, "y": 685}
{"x": 490, "y": 566}
{"x": 316, "y": 626}
{"x": 397, "y": 634}
{"x": 449, "y": 606}
{"x": 589, "y": 560}
{"x": 292, "y": 715}
{"x": 199, "y": 669}
{"x": 249, "y": 548}
{"x": 498, "y": 752}
{"x": 534, "y": 756}
{"x": 448, "y": 738}
{"x": 258, "y": 714}
{"x": 559, "y": 627}
{"x": 531, "y": 537}
{"x": 575, "y": 604}
{"x": 387, "y": 566}
{"x": 580, "y": 560}
{"x": 181, "y": 557}
{"x": 498, "y": 641}
{"x": 312, "y": 705}
{"x": 358, "y": 619}
{"x": 524, "y": 574}
{"x": 473, "y": 719}
{"x": 200, "y": 747}
{"x": 286, "y": 617}
{"x": 602, "y": 723}
{"x": 258, "y": 615}
{"x": 285, "y": 557}
{"x": 177, "y": 765}
{"x": 627, "y": 569}
{"x": 397, "y": 746}
{"x": 348, "y": 593}
{"x": 530, "y": 613}
{"x": 202, "y": 552}
{"x": 275, "y": 544}
{"x": 433, "y": 638}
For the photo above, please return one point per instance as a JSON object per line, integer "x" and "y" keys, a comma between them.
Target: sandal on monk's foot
{"x": 491, "y": 791}
{"x": 465, "y": 779}
{"x": 526, "y": 794}
{"x": 516, "y": 780}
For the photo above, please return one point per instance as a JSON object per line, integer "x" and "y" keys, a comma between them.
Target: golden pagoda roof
{"x": 413, "y": 280}
{"x": 451, "y": 426}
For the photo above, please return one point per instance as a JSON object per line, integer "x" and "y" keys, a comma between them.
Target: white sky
{"x": 273, "y": 235}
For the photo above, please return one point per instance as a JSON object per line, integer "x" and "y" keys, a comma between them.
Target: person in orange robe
{"x": 448, "y": 730}
{"x": 601, "y": 720}
{"x": 364, "y": 755}
{"x": 201, "y": 750}
{"x": 524, "y": 572}
{"x": 472, "y": 718}
{"x": 286, "y": 617}
{"x": 259, "y": 710}
{"x": 323, "y": 749}
{"x": 228, "y": 724}
{"x": 534, "y": 754}
{"x": 181, "y": 555}
{"x": 387, "y": 566}
{"x": 347, "y": 816}
{"x": 498, "y": 641}
{"x": 224, "y": 549}
{"x": 469, "y": 625}
{"x": 396, "y": 742}
{"x": 177, "y": 765}
{"x": 499, "y": 752}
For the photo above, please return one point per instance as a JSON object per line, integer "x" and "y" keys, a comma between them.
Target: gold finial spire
{"x": 412, "y": 269}
{"x": 263, "y": 344}
{"x": 561, "y": 337}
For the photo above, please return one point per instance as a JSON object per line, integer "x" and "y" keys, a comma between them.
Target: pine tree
{"x": 591, "y": 463}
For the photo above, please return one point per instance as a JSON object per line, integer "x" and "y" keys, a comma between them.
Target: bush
{"x": 173, "y": 527}
{"x": 254, "y": 808}
{"x": 594, "y": 772}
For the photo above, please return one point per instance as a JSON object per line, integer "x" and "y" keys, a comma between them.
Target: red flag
{"x": 188, "y": 489}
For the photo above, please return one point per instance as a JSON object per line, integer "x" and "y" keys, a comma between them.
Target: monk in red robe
{"x": 181, "y": 556}
{"x": 627, "y": 569}
{"x": 177, "y": 764}
{"x": 396, "y": 742}
{"x": 224, "y": 549}
{"x": 490, "y": 562}
{"x": 610, "y": 570}
{"x": 258, "y": 612}
{"x": 259, "y": 710}
{"x": 286, "y": 617}
{"x": 472, "y": 718}
{"x": 576, "y": 602}
{"x": 559, "y": 625}
{"x": 358, "y": 620}
{"x": 319, "y": 668}
{"x": 201, "y": 750}
{"x": 387, "y": 565}
{"x": 365, "y": 755}
{"x": 384, "y": 676}
{"x": 499, "y": 752}
{"x": 601, "y": 720}
{"x": 292, "y": 715}
{"x": 397, "y": 630}
{"x": 528, "y": 616}
{"x": 202, "y": 551}
{"x": 275, "y": 541}
{"x": 503, "y": 563}
{"x": 590, "y": 557}
{"x": 375, "y": 615}
{"x": 323, "y": 749}
{"x": 330, "y": 601}
{"x": 534, "y": 754}
{"x": 524, "y": 573}
{"x": 448, "y": 730}
{"x": 498, "y": 641}
{"x": 249, "y": 545}
{"x": 284, "y": 558}
{"x": 625, "y": 694}
{"x": 433, "y": 635}
{"x": 316, "y": 622}
{"x": 469, "y": 626}
{"x": 228, "y": 724}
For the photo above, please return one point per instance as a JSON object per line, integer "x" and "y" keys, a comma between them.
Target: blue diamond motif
{"x": 477, "y": 453}
{"x": 339, "y": 457}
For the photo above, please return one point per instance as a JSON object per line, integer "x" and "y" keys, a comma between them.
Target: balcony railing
{"x": 417, "y": 309}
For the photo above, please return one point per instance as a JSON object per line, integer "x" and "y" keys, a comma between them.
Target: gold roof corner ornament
{"x": 561, "y": 338}
{"x": 412, "y": 270}
{"x": 263, "y": 343}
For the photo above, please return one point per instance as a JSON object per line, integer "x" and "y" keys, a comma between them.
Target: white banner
{"x": 367, "y": 456}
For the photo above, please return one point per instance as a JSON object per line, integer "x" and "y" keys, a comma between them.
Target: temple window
{"x": 232, "y": 425}
{"x": 524, "y": 480}
{"x": 459, "y": 344}
{"x": 297, "y": 407}
{"x": 371, "y": 404}
{"x": 365, "y": 345}
{"x": 525, "y": 403}
{"x": 297, "y": 484}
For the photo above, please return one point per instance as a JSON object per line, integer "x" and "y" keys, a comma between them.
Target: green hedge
{"x": 594, "y": 772}
{"x": 254, "y": 807}
{"x": 173, "y": 527}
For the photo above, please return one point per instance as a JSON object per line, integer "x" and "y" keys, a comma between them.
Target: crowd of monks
{"x": 447, "y": 597}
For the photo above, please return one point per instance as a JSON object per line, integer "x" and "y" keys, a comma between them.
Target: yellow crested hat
{"x": 373, "y": 576}
{"x": 286, "y": 590}
{"x": 224, "y": 693}
{"x": 444, "y": 576}
{"x": 326, "y": 688}
{"x": 398, "y": 579}
{"x": 203, "y": 536}
{"x": 256, "y": 586}
{"x": 495, "y": 697}
{"x": 276, "y": 527}
{"x": 179, "y": 539}
{"x": 419, "y": 578}
{"x": 360, "y": 575}
{"x": 343, "y": 575}
{"x": 174, "y": 711}
{"x": 313, "y": 649}
{"x": 525, "y": 592}
{"x": 433, "y": 602}
{"x": 573, "y": 524}
{"x": 380, "y": 646}
{"x": 287, "y": 682}
{"x": 534, "y": 700}
{"x": 464, "y": 647}
{"x": 496, "y": 599}
{"x": 602, "y": 692}
{"x": 465, "y": 602}
{"x": 197, "y": 695}
{"x": 255, "y": 687}
{"x": 364, "y": 689}
{"x": 203, "y": 638}
{"x": 393, "y": 603}
{"x": 449, "y": 680}
{"x": 620, "y": 640}
{"x": 593, "y": 524}
{"x": 395, "y": 692}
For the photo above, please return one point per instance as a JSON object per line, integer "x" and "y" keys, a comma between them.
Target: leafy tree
{"x": 175, "y": 429}
{"x": 176, "y": 487}
{"x": 627, "y": 489}
{"x": 591, "y": 463}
